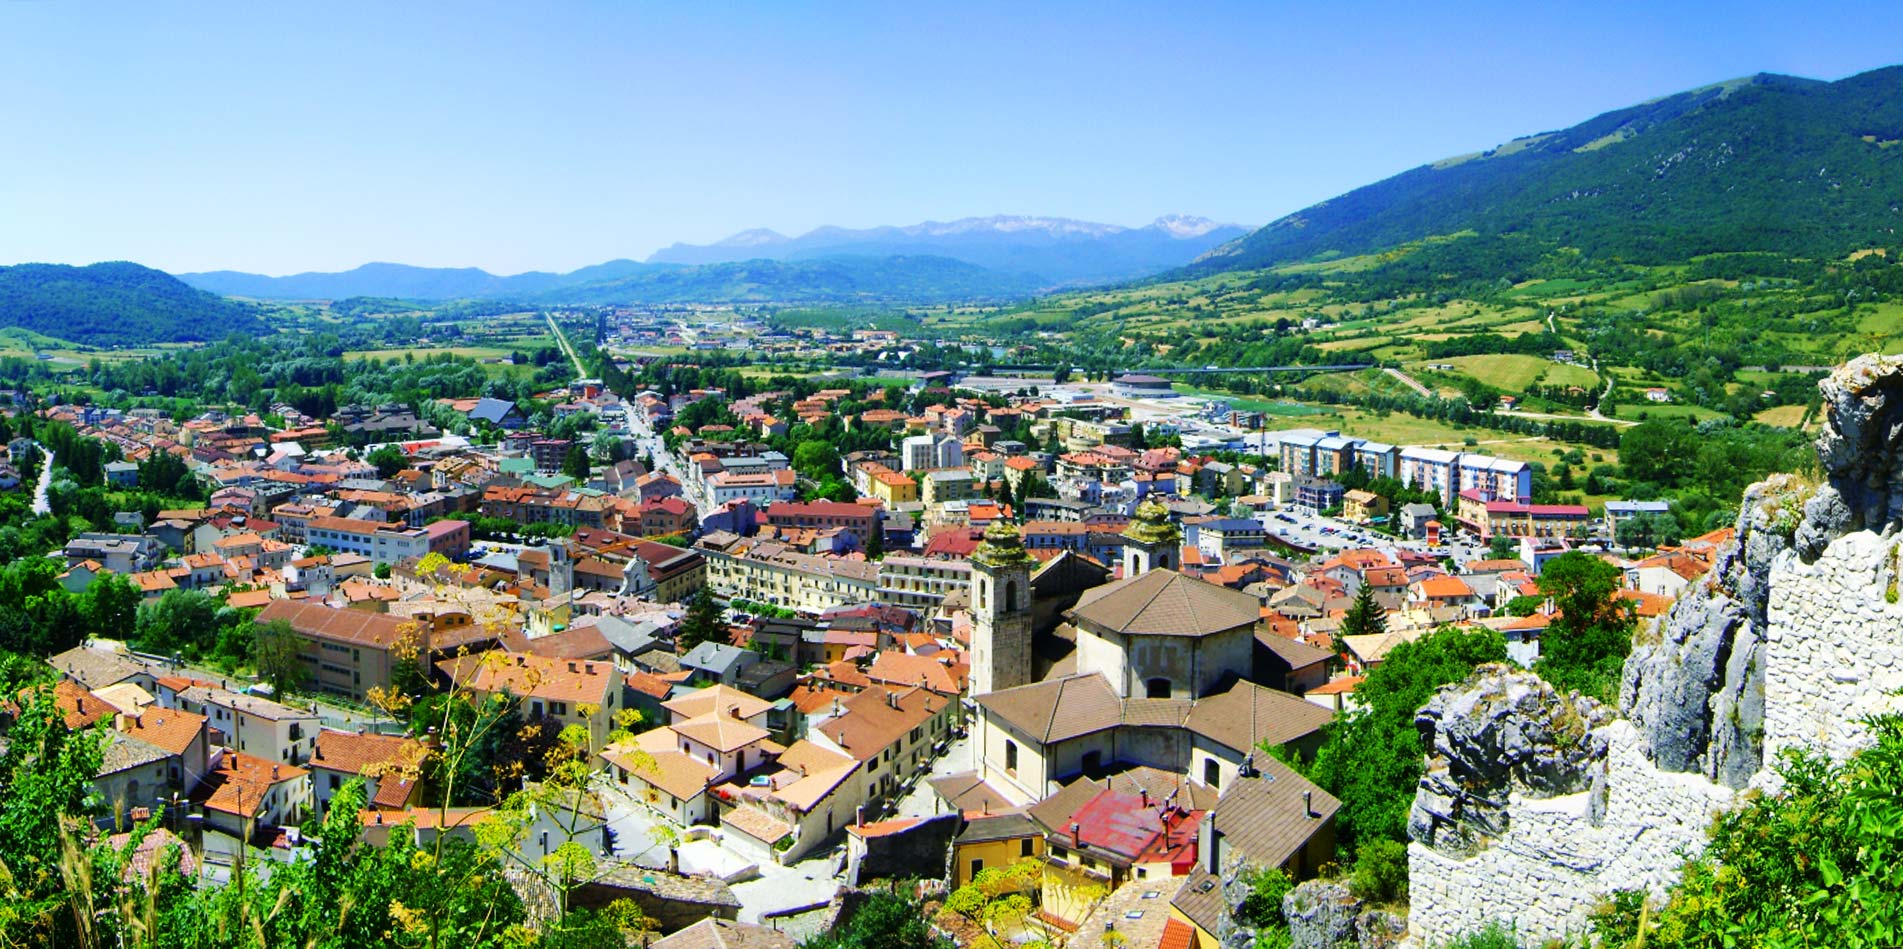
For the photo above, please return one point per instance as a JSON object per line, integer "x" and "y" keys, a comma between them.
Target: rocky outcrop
{"x": 1502, "y": 733}
{"x": 1861, "y": 451}
{"x": 1323, "y": 914}
{"x": 1694, "y": 685}
{"x": 1791, "y": 641}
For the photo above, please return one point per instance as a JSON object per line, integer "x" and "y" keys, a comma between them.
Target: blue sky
{"x": 280, "y": 137}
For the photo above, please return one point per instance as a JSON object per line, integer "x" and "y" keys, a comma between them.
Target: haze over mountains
{"x": 1766, "y": 163}
{"x": 990, "y": 257}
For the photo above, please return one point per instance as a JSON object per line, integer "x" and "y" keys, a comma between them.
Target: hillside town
{"x": 987, "y": 627}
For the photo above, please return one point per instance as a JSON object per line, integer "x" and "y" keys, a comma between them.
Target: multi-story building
{"x": 1432, "y": 469}
{"x": 1378, "y": 459}
{"x": 382, "y": 543}
{"x": 918, "y": 452}
{"x": 920, "y": 583}
{"x": 771, "y": 572}
{"x": 1488, "y": 517}
{"x": 861, "y": 519}
{"x": 570, "y": 691}
{"x": 760, "y": 487}
{"x": 1496, "y": 479}
{"x": 253, "y": 724}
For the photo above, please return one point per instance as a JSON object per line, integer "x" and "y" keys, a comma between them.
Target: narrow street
{"x": 40, "y": 504}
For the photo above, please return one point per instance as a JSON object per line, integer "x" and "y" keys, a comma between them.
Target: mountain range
{"x": 1060, "y": 251}
{"x": 974, "y": 258}
{"x": 1764, "y": 163}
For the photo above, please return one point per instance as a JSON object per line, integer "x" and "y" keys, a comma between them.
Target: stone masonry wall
{"x": 1835, "y": 652}
{"x": 1544, "y": 871}
{"x": 1794, "y": 637}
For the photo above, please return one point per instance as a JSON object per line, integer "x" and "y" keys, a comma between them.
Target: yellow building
{"x": 994, "y": 841}
{"x": 893, "y": 488}
{"x": 1363, "y": 505}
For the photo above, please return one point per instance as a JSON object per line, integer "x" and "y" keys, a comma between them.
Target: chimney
{"x": 571, "y": 666}
{"x": 1308, "y": 804}
{"x": 588, "y": 667}
{"x": 1076, "y": 837}
{"x": 674, "y": 860}
{"x": 1143, "y": 794}
{"x": 274, "y": 772}
{"x": 859, "y": 816}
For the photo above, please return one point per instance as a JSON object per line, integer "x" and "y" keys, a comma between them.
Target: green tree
{"x": 1365, "y": 617}
{"x": 1586, "y": 645}
{"x": 112, "y": 605}
{"x": 575, "y": 463}
{"x": 703, "y": 622}
{"x": 816, "y": 459}
{"x": 46, "y": 778}
{"x": 889, "y": 920}
{"x": 274, "y": 653}
{"x": 1648, "y": 530}
{"x": 1502, "y": 547}
{"x": 389, "y": 460}
{"x": 1371, "y": 759}
{"x": 181, "y": 622}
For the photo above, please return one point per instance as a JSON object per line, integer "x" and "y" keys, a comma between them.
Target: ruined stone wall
{"x": 1835, "y": 650}
{"x": 1543, "y": 873}
{"x": 1789, "y": 642}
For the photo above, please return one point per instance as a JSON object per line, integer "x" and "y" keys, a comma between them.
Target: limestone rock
{"x": 1502, "y": 732}
{"x": 1694, "y": 685}
{"x": 1321, "y": 914}
{"x": 1377, "y": 929}
{"x": 1861, "y": 450}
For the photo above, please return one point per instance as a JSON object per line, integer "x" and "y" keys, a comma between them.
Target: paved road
{"x": 40, "y": 503}
{"x": 1410, "y": 382}
{"x": 561, "y": 340}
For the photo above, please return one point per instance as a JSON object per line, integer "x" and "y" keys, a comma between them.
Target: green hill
{"x": 1768, "y": 163}
{"x": 116, "y": 304}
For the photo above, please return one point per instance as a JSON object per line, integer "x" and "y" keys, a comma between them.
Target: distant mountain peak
{"x": 756, "y": 237}
{"x": 1187, "y": 225}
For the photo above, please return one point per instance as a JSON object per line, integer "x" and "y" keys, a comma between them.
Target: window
{"x": 1157, "y": 688}
{"x": 976, "y": 866}
{"x": 1059, "y": 853}
{"x": 558, "y": 709}
{"x": 1010, "y": 757}
{"x": 535, "y": 709}
{"x": 1024, "y": 847}
{"x": 335, "y": 782}
{"x": 1212, "y": 773}
{"x": 1143, "y": 873}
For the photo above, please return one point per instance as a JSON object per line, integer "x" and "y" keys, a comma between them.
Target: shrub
{"x": 1380, "y": 872}
{"x": 1493, "y": 936}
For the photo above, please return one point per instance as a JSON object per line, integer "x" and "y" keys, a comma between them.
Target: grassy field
{"x": 1787, "y": 416}
{"x": 1514, "y": 373}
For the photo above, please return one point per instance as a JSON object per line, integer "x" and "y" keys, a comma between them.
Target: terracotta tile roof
{"x": 871, "y": 722}
{"x": 365, "y": 754}
{"x": 898, "y": 668}
{"x": 721, "y": 732}
{"x": 680, "y": 775}
{"x": 1342, "y": 686}
{"x": 1057, "y": 709}
{"x": 354, "y": 627}
{"x": 240, "y": 782}
{"x": 81, "y": 707}
{"x": 1166, "y": 603}
{"x": 718, "y": 698}
{"x": 170, "y": 729}
{"x": 1444, "y": 588}
{"x": 555, "y": 680}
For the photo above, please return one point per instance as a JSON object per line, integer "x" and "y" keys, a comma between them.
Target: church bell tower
{"x": 1000, "y": 611}
{"x": 1151, "y": 542}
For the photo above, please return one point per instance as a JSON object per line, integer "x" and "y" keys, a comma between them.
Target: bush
{"x": 1262, "y": 908}
{"x": 1494, "y": 936}
{"x": 1380, "y": 873}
